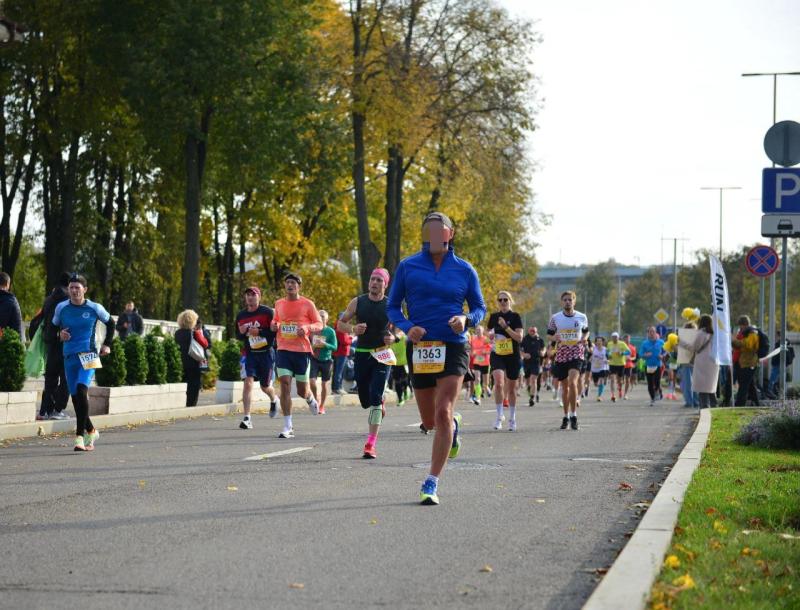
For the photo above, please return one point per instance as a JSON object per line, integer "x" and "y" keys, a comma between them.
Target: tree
{"x": 135, "y": 360}
{"x": 114, "y": 372}
{"x": 174, "y": 363}
{"x": 597, "y": 296}
{"x": 156, "y": 360}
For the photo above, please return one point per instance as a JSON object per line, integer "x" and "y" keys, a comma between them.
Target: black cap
{"x": 293, "y": 276}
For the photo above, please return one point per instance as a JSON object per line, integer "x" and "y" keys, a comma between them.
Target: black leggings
{"x": 400, "y": 378}
{"x": 654, "y": 383}
{"x": 194, "y": 381}
{"x": 80, "y": 401}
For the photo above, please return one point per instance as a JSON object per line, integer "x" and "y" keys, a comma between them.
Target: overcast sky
{"x": 644, "y": 103}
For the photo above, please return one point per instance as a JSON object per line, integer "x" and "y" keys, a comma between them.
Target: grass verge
{"x": 737, "y": 542}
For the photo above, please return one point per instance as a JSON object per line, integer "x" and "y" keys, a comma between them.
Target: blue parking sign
{"x": 780, "y": 190}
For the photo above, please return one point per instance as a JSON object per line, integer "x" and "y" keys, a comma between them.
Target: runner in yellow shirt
{"x": 618, "y": 351}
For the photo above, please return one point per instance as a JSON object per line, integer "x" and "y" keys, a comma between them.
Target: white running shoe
{"x": 246, "y": 423}
{"x": 512, "y": 425}
{"x": 498, "y": 424}
{"x": 313, "y": 406}
{"x": 286, "y": 433}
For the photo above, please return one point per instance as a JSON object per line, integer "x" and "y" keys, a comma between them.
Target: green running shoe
{"x": 456, "y": 447}
{"x": 427, "y": 495}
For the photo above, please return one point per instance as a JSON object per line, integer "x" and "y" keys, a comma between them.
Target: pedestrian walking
{"x": 55, "y": 393}
{"x": 189, "y": 327}
{"x": 705, "y": 368}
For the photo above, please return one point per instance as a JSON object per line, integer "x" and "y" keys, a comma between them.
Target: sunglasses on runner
{"x": 503, "y": 300}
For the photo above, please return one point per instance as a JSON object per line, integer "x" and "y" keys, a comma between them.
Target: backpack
{"x": 763, "y": 343}
{"x": 789, "y": 355}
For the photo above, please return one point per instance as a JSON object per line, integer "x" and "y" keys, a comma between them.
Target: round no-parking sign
{"x": 762, "y": 261}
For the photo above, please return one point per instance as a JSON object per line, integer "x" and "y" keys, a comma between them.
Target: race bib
{"x": 384, "y": 355}
{"x": 289, "y": 330}
{"x": 257, "y": 342}
{"x": 318, "y": 342}
{"x": 428, "y": 357}
{"x": 89, "y": 360}
{"x": 569, "y": 336}
{"x": 503, "y": 347}
{"x": 482, "y": 360}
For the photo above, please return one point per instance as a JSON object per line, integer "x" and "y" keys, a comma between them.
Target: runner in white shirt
{"x": 569, "y": 330}
{"x": 599, "y": 366}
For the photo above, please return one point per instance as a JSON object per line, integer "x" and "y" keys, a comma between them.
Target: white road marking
{"x": 264, "y": 456}
{"x": 417, "y": 425}
{"x": 620, "y": 461}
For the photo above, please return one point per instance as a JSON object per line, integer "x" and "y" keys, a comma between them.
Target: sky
{"x": 643, "y": 103}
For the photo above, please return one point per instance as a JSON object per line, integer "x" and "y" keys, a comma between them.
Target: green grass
{"x": 730, "y": 548}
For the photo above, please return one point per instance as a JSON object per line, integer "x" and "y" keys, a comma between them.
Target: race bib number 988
{"x": 428, "y": 357}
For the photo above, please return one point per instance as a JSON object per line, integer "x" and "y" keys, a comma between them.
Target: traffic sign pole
{"x": 784, "y": 279}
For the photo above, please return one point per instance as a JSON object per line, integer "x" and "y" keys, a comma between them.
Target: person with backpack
{"x": 55, "y": 394}
{"x": 747, "y": 341}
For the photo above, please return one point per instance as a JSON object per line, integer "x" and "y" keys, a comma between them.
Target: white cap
{"x": 615, "y": 334}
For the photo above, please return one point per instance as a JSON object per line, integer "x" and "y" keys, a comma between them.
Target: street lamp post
{"x": 720, "y": 189}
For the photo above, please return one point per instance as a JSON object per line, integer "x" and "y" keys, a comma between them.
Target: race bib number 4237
{"x": 428, "y": 357}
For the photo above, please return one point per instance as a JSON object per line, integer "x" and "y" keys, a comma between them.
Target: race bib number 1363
{"x": 428, "y": 357}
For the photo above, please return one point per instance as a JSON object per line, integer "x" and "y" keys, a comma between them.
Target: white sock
{"x": 287, "y": 422}
{"x": 246, "y": 417}
{"x": 499, "y": 410}
{"x": 512, "y": 412}
{"x": 573, "y": 414}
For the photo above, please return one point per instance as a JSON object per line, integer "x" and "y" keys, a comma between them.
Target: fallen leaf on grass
{"x": 539, "y": 500}
{"x": 720, "y": 527}
{"x": 711, "y": 511}
{"x": 142, "y": 484}
{"x": 233, "y": 488}
{"x": 748, "y": 532}
{"x": 689, "y": 554}
{"x": 296, "y": 585}
{"x": 623, "y": 486}
{"x": 756, "y": 522}
{"x": 487, "y": 569}
{"x": 373, "y": 522}
{"x": 684, "y": 582}
{"x": 747, "y": 551}
{"x": 672, "y": 562}
{"x": 714, "y": 544}
{"x": 789, "y": 537}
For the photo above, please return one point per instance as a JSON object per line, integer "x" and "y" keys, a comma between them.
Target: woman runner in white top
{"x": 599, "y": 366}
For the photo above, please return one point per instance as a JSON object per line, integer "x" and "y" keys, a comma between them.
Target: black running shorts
{"x": 561, "y": 369}
{"x": 456, "y": 362}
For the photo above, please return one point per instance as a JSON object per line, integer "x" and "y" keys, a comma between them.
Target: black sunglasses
{"x": 503, "y": 300}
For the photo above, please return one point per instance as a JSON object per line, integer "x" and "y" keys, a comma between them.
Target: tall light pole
{"x": 720, "y": 189}
{"x": 772, "y": 243}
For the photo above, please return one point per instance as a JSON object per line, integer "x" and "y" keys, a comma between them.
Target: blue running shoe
{"x": 427, "y": 495}
{"x": 456, "y": 447}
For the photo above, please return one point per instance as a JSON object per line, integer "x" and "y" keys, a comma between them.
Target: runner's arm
{"x": 316, "y": 321}
{"x": 474, "y": 296}
{"x": 394, "y": 306}
{"x": 343, "y": 324}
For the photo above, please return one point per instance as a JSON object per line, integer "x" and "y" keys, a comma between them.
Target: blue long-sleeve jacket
{"x": 433, "y": 297}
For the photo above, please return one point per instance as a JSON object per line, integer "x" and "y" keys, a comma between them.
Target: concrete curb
{"x": 40, "y": 428}
{"x": 629, "y": 581}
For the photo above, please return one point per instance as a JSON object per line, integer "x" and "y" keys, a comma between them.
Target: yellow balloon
{"x": 672, "y": 338}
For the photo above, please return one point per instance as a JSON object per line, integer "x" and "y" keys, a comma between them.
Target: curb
{"x": 41, "y": 428}
{"x": 630, "y": 579}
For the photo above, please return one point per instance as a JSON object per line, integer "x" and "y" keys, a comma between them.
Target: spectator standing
{"x": 10, "y": 314}
{"x": 129, "y": 321}
{"x": 705, "y": 368}
{"x": 190, "y": 328}
{"x": 775, "y": 363}
{"x": 343, "y": 343}
{"x": 746, "y": 342}
{"x": 55, "y": 393}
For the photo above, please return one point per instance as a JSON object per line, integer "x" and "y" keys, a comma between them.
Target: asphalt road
{"x": 172, "y": 515}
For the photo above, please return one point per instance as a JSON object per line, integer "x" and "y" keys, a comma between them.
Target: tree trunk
{"x": 194, "y": 154}
{"x": 68, "y": 187}
{"x": 395, "y": 174}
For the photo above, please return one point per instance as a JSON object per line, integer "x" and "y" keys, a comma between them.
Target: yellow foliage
{"x": 672, "y": 562}
{"x": 684, "y": 582}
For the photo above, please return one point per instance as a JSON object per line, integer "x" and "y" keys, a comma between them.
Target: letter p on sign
{"x": 786, "y": 185}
